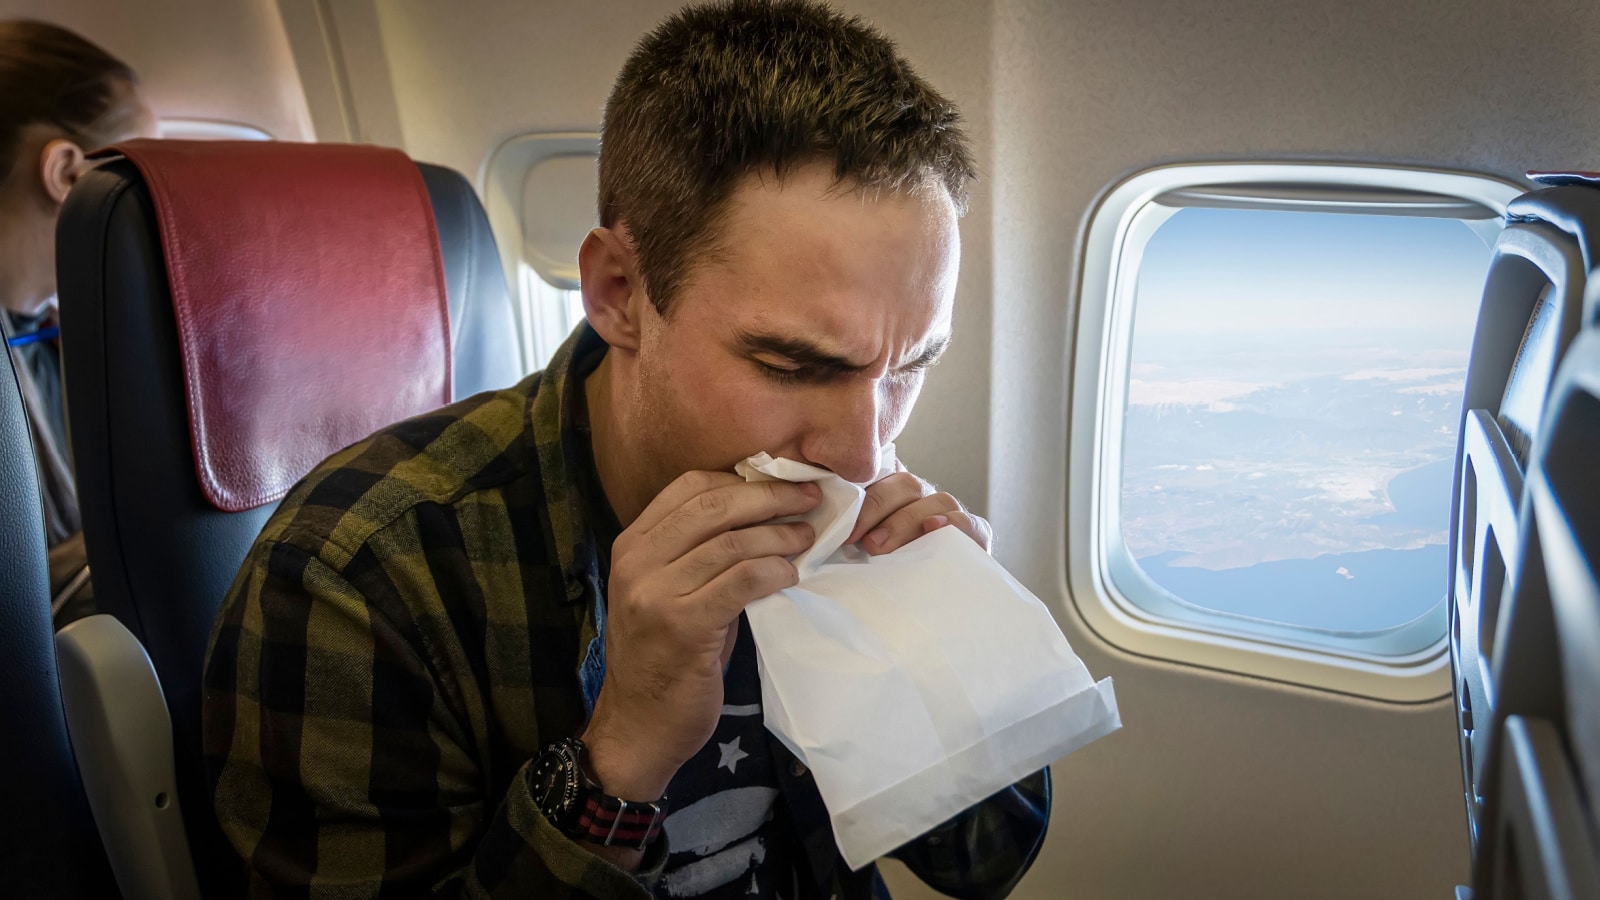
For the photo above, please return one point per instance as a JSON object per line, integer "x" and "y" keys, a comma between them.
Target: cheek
{"x": 731, "y": 413}
{"x": 898, "y": 400}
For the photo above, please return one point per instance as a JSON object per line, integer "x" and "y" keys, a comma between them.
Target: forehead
{"x": 807, "y": 256}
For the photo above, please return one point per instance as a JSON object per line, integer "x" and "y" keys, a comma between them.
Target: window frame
{"x": 188, "y": 129}
{"x": 1408, "y": 663}
{"x": 502, "y": 180}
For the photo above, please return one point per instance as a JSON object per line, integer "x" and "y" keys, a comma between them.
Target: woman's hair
{"x": 49, "y": 75}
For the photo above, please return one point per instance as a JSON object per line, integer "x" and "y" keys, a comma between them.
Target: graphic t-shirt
{"x": 727, "y": 831}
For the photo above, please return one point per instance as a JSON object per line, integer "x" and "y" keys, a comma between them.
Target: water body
{"x": 1365, "y": 591}
{"x": 1420, "y": 497}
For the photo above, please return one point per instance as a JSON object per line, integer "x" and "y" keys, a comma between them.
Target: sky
{"x": 1209, "y": 271}
{"x": 1233, "y": 302}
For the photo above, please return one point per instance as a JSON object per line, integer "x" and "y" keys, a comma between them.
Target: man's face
{"x": 806, "y": 337}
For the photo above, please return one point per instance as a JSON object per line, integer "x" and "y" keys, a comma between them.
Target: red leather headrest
{"x": 310, "y": 301}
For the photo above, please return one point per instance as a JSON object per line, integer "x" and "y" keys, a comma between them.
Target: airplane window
{"x": 209, "y": 130}
{"x": 558, "y": 209}
{"x": 552, "y": 311}
{"x": 1294, "y": 391}
{"x": 539, "y": 192}
{"x": 1266, "y": 379}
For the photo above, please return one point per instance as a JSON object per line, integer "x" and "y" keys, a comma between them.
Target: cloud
{"x": 1443, "y": 389}
{"x": 1401, "y": 374}
{"x": 1212, "y": 394}
{"x": 1353, "y": 486}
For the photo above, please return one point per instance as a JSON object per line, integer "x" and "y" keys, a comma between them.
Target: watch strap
{"x": 614, "y": 822}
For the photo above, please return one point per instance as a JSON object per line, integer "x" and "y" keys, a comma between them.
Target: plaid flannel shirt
{"x": 423, "y": 614}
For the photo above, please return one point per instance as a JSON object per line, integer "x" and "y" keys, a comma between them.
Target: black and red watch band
{"x": 611, "y": 822}
{"x": 581, "y": 809}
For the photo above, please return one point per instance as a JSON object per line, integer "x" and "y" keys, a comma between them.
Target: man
{"x": 481, "y": 652}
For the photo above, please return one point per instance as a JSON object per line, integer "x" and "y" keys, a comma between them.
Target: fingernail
{"x": 876, "y": 536}
{"x": 810, "y": 489}
{"x": 934, "y": 523}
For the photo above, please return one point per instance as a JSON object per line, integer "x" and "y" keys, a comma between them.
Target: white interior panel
{"x": 198, "y": 59}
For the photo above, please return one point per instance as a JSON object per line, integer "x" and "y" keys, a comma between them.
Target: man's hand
{"x": 680, "y": 576}
{"x": 901, "y": 508}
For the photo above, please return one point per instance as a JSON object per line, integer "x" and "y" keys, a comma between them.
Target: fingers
{"x": 704, "y": 515}
{"x": 901, "y": 508}
{"x": 975, "y": 527}
{"x": 884, "y": 498}
{"x": 742, "y": 584}
{"x": 914, "y": 520}
{"x": 682, "y": 488}
{"x": 722, "y": 552}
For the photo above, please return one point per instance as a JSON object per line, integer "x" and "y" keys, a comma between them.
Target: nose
{"x": 846, "y": 435}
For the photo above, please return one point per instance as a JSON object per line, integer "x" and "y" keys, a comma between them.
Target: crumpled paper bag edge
{"x": 859, "y": 845}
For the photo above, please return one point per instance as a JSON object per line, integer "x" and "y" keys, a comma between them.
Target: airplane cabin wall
{"x": 1223, "y": 786}
{"x": 197, "y": 59}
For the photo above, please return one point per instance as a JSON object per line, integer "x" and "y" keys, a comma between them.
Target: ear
{"x": 614, "y": 298}
{"x": 61, "y": 164}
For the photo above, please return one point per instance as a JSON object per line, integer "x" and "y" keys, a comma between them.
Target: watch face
{"x": 555, "y": 783}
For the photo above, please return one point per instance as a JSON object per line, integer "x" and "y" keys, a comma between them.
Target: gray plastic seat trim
{"x": 122, "y": 737}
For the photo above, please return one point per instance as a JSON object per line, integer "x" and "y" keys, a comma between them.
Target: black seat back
{"x": 1525, "y": 606}
{"x": 1540, "y": 835}
{"x": 485, "y": 355}
{"x": 1531, "y": 311}
{"x": 48, "y": 843}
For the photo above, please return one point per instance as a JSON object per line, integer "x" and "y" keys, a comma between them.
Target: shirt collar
{"x": 577, "y": 506}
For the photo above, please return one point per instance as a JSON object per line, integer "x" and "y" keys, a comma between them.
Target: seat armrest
{"x": 122, "y": 738}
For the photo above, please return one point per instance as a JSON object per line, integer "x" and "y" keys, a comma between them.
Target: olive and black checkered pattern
{"x": 413, "y": 625}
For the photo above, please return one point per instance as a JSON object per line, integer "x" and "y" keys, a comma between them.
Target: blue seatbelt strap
{"x": 33, "y": 337}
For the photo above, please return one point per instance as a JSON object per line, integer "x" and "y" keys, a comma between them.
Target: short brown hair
{"x": 728, "y": 88}
{"x": 49, "y": 75}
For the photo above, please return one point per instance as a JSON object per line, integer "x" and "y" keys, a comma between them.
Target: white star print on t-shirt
{"x": 731, "y": 754}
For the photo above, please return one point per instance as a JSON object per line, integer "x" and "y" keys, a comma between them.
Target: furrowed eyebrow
{"x": 808, "y": 355}
{"x": 800, "y": 352}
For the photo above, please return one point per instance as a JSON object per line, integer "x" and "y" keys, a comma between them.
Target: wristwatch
{"x": 579, "y": 808}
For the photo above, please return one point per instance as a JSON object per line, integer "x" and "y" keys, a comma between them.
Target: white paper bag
{"x": 916, "y": 683}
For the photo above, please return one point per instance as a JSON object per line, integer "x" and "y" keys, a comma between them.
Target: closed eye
{"x": 927, "y": 360}
{"x": 795, "y": 375}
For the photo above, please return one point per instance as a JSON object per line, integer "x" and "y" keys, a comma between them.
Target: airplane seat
{"x": 485, "y": 355}
{"x": 1571, "y": 202}
{"x": 1532, "y": 308}
{"x": 1540, "y": 833}
{"x": 48, "y": 844}
{"x": 232, "y": 314}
